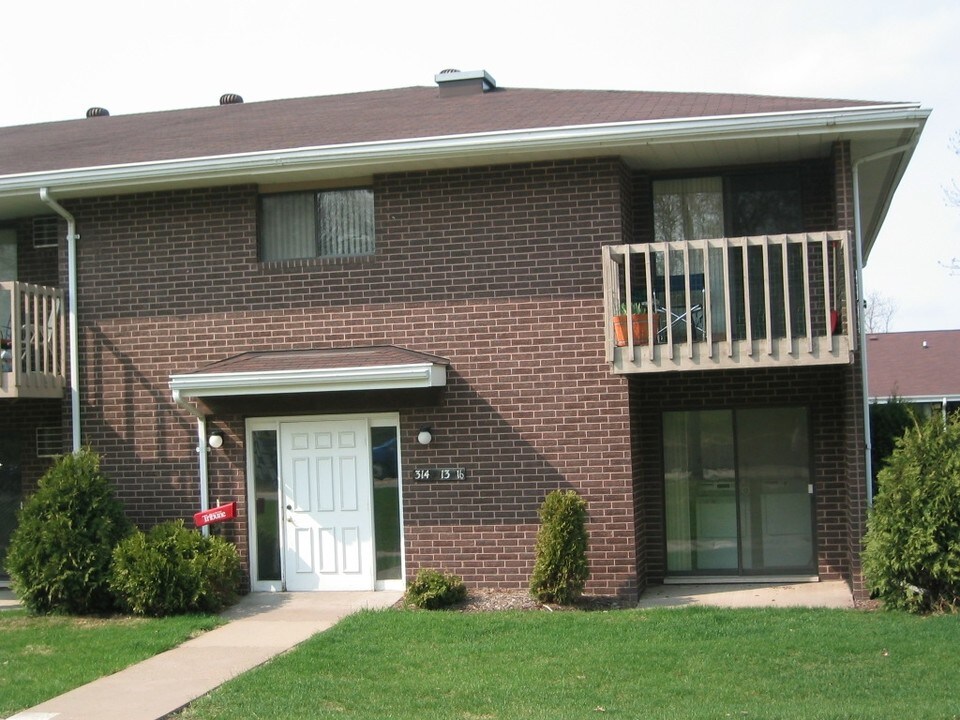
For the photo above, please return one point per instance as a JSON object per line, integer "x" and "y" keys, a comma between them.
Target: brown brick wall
{"x": 853, "y": 390}
{"x": 497, "y": 269}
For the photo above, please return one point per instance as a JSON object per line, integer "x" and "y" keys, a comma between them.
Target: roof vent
{"x": 98, "y": 112}
{"x": 469, "y": 82}
{"x": 230, "y": 99}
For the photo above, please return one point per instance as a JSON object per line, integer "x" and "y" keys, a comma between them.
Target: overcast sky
{"x": 59, "y": 58}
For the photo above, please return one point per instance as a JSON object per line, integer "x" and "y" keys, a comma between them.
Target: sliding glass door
{"x": 738, "y": 492}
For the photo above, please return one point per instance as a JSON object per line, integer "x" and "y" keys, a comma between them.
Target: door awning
{"x": 313, "y": 371}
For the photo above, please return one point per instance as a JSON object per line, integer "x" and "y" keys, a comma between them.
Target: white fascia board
{"x": 604, "y": 138}
{"x": 384, "y": 377}
{"x": 949, "y": 397}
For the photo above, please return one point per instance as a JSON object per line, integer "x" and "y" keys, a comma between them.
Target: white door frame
{"x": 273, "y": 423}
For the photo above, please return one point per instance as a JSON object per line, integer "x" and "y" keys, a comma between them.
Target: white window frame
{"x": 305, "y": 238}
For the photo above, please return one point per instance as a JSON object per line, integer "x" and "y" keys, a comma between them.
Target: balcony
{"x": 764, "y": 301}
{"x": 32, "y": 341}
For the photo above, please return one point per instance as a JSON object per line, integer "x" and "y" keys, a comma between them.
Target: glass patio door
{"x": 738, "y": 492}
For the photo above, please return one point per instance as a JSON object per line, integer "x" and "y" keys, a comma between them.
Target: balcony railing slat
{"x": 767, "y": 314}
{"x": 787, "y": 294}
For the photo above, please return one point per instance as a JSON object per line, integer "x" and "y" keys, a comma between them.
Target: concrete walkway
{"x": 8, "y": 600}
{"x": 811, "y": 594}
{"x": 261, "y": 626}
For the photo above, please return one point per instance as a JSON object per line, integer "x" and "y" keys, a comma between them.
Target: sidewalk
{"x": 830, "y": 594}
{"x": 261, "y": 626}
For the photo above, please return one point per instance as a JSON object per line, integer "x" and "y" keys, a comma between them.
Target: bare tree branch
{"x": 878, "y": 312}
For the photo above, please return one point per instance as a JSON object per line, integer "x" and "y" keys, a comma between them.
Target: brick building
{"x": 394, "y": 321}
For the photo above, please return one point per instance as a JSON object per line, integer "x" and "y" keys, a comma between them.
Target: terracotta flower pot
{"x": 641, "y": 336}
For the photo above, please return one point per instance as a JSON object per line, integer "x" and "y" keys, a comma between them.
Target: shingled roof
{"x": 407, "y": 113}
{"x": 914, "y": 365}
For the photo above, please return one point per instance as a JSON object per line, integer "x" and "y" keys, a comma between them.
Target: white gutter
{"x": 74, "y": 332}
{"x": 201, "y": 452}
{"x": 861, "y": 301}
{"x": 380, "y": 377}
{"x": 607, "y": 137}
{"x": 918, "y": 399}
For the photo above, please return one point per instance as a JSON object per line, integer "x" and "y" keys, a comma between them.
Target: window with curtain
{"x": 688, "y": 209}
{"x": 692, "y": 209}
{"x": 316, "y": 224}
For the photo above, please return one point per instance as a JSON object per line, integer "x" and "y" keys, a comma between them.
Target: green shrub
{"x": 911, "y": 555}
{"x": 432, "y": 590}
{"x": 59, "y": 556}
{"x": 172, "y": 570}
{"x": 561, "y": 568}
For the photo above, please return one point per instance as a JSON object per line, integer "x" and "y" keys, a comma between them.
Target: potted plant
{"x": 641, "y": 324}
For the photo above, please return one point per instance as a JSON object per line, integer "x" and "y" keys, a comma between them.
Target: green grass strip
{"x": 42, "y": 657}
{"x": 665, "y": 663}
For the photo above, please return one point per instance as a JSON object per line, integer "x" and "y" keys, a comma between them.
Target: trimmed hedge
{"x": 433, "y": 590}
{"x": 60, "y": 552}
{"x": 172, "y": 570}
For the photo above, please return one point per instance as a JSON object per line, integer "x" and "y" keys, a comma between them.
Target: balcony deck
{"x": 32, "y": 342}
{"x": 764, "y": 301}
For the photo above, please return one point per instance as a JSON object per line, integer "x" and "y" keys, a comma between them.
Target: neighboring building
{"x": 921, "y": 368}
{"x": 324, "y": 282}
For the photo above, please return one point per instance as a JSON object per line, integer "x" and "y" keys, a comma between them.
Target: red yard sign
{"x": 215, "y": 515}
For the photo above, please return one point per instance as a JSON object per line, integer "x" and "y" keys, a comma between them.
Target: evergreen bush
{"x": 433, "y": 590}
{"x": 59, "y": 556}
{"x": 911, "y": 555}
{"x": 561, "y": 568}
{"x": 172, "y": 570}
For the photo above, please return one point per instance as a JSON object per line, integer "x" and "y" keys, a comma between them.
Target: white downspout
{"x": 861, "y": 303}
{"x": 72, "y": 313}
{"x": 201, "y": 453}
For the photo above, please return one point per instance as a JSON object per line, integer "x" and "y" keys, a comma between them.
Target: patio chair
{"x": 686, "y": 316}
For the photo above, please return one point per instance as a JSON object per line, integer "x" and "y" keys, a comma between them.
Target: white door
{"x": 327, "y": 489}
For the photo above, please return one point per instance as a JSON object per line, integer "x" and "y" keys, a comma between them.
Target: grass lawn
{"x": 42, "y": 657}
{"x": 665, "y": 663}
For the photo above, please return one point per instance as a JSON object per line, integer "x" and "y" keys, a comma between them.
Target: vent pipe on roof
{"x": 97, "y": 112}
{"x": 230, "y": 99}
{"x": 469, "y": 82}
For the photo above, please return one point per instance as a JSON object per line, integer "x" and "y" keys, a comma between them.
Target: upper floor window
{"x": 326, "y": 223}
{"x": 732, "y": 205}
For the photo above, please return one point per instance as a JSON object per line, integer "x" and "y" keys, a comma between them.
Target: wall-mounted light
{"x": 215, "y": 440}
{"x": 425, "y": 435}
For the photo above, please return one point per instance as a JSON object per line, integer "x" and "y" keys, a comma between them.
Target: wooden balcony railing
{"x": 729, "y": 302}
{"x": 32, "y": 341}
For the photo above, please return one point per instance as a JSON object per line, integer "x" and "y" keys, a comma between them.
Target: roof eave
{"x": 383, "y": 377}
{"x": 449, "y": 150}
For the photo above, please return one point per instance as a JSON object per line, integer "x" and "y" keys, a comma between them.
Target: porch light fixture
{"x": 425, "y": 435}
{"x": 215, "y": 440}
